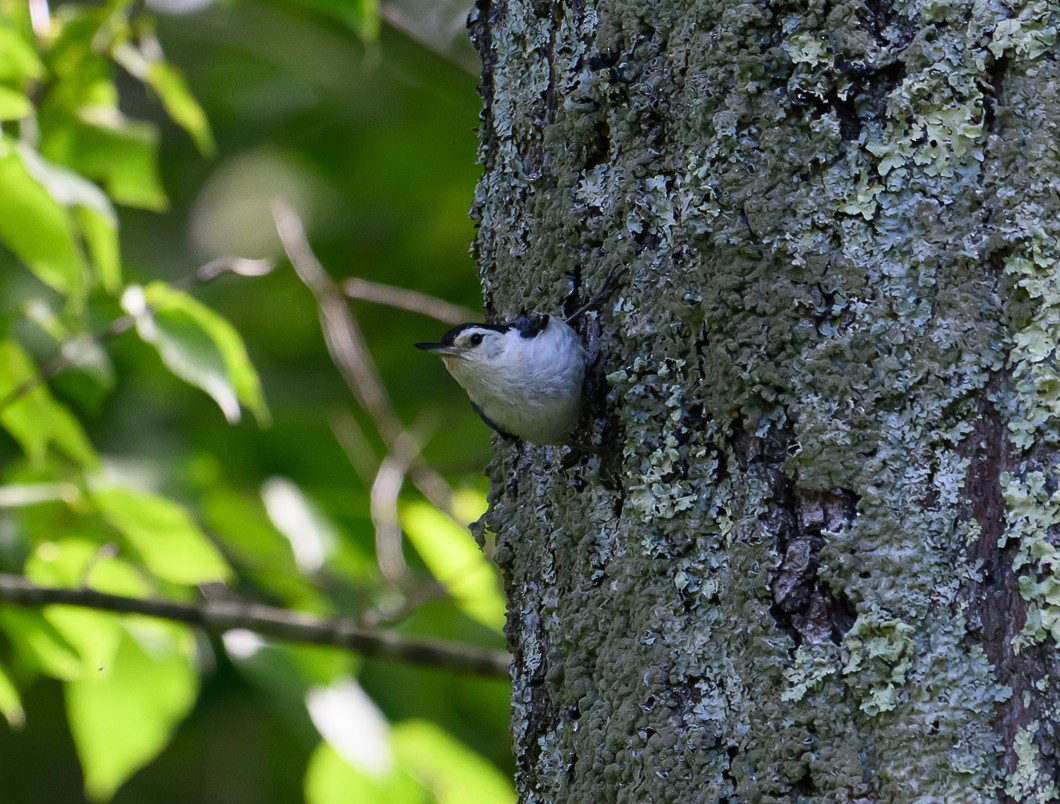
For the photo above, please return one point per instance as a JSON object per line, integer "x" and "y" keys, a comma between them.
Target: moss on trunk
{"x": 815, "y": 557}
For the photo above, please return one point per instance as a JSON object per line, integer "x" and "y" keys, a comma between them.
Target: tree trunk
{"x": 814, "y": 558}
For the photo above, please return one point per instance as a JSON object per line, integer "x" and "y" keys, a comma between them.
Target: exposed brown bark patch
{"x": 996, "y": 610}
{"x": 800, "y": 520}
{"x": 802, "y": 601}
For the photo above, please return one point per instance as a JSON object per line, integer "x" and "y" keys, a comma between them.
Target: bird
{"x": 524, "y": 378}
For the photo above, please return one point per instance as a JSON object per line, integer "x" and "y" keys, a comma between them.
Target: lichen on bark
{"x": 827, "y": 370}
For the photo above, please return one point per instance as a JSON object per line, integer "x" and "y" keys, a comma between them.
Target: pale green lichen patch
{"x": 1027, "y": 35}
{"x": 1033, "y": 513}
{"x": 658, "y": 486}
{"x": 879, "y": 653}
{"x": 1034, "y": 407}
{"x": 1024, "y": 783}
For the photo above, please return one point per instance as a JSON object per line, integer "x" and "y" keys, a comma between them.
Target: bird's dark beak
{"x": 436, "y": 348}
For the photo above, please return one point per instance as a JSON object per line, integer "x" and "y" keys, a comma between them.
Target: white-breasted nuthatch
{"x": 524, "y": 379}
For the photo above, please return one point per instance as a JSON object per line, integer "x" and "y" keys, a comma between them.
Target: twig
{"x": 384, "y": 509}
{"x": 405, "y": 299}
{"x": 410, "y": 602}
{"x": 400, "y": 21}
{"x": 224, "y": 615}
{"x": 349, "y": 351}
{"x": 344, "y": 338}
{"x": 354, "y": 443}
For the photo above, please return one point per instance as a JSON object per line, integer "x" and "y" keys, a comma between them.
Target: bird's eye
{"x": 475, "y": 339}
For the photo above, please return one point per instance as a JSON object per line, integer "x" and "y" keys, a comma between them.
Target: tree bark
{"x": 815, "y": 557}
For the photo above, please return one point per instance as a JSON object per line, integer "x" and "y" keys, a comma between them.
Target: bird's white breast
{"x": 533, "y": 387}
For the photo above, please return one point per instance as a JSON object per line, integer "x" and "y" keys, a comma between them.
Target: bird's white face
{"x": 470, "y": 348}
{"x": 476, "y": 345}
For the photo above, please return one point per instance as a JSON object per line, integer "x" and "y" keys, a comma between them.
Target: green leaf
{"x": 102, "y": 144}
{"x": 450, "y": 770}
{"x": 456, "y": 562}
{"x": 168, "y": 83}
{"x": 89, "y": 375}
{"x": 92, "y": 210}
{"x": 10, "y": 701}
{"x": 100, "y": 232}
{"x": 330, "y": 779}
{"x": 122, "y": 716}
{"x": 41, "y": 644}
{"x": 34, "y": 418}
{"x": 36, "y": 227}
{"x": 13, "y": 105}
{"x": 312, "y": 536}
{"x": 164, "y": 535}
{"x": 18, "y": 61}
{"x": 77, "y": 562}
{"x": 240, "y": 371}
{"x": 197, "y": 345}
{"x": 262, "y": 553}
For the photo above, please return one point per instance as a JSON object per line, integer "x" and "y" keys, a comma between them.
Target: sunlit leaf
{"x": 100, "y": 232}
{"x": 168, "y": 83}
{"x": 456, "y": 562}
{"x": 164, "y": 299}
{"x": 18, "y": 61}
{"x": 18, "y": 495}
{"x": 10, "y": 701}
{"x": 100, "y": 143}
{"x": 41, "y": 644}
{"x": 92, "y": 210}
{"x": 33, "y": 417}
{"x": 163, "y": 534}
{"x": 76, "y": 562}
{"x": 330, "y": 779}
{"x": 13, "y": 105}
{"x": 197, "y": 345}
{"x": 450, "y": 770}
{"x": 36, "y": 227}
{"x": 351, "y": 722}
{"x": 122, "y": 716}
{"x": 311, "y": 535}
{"x": 186, "y": 349}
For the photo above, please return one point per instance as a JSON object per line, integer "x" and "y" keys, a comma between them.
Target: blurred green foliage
{"x": 136, "y": 146}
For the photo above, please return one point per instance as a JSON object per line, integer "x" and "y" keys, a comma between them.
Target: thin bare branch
{"x": 240, "y": 266}
{"x": 398, "y": 19}
{"x": 354, "y": 443}
{"x": 218, "y": 616}
{"x": 341, "y": 331}
{"x": 384, "y": 509}
{"x": 349, "y": 351}
{"x": 405, "y": 299}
